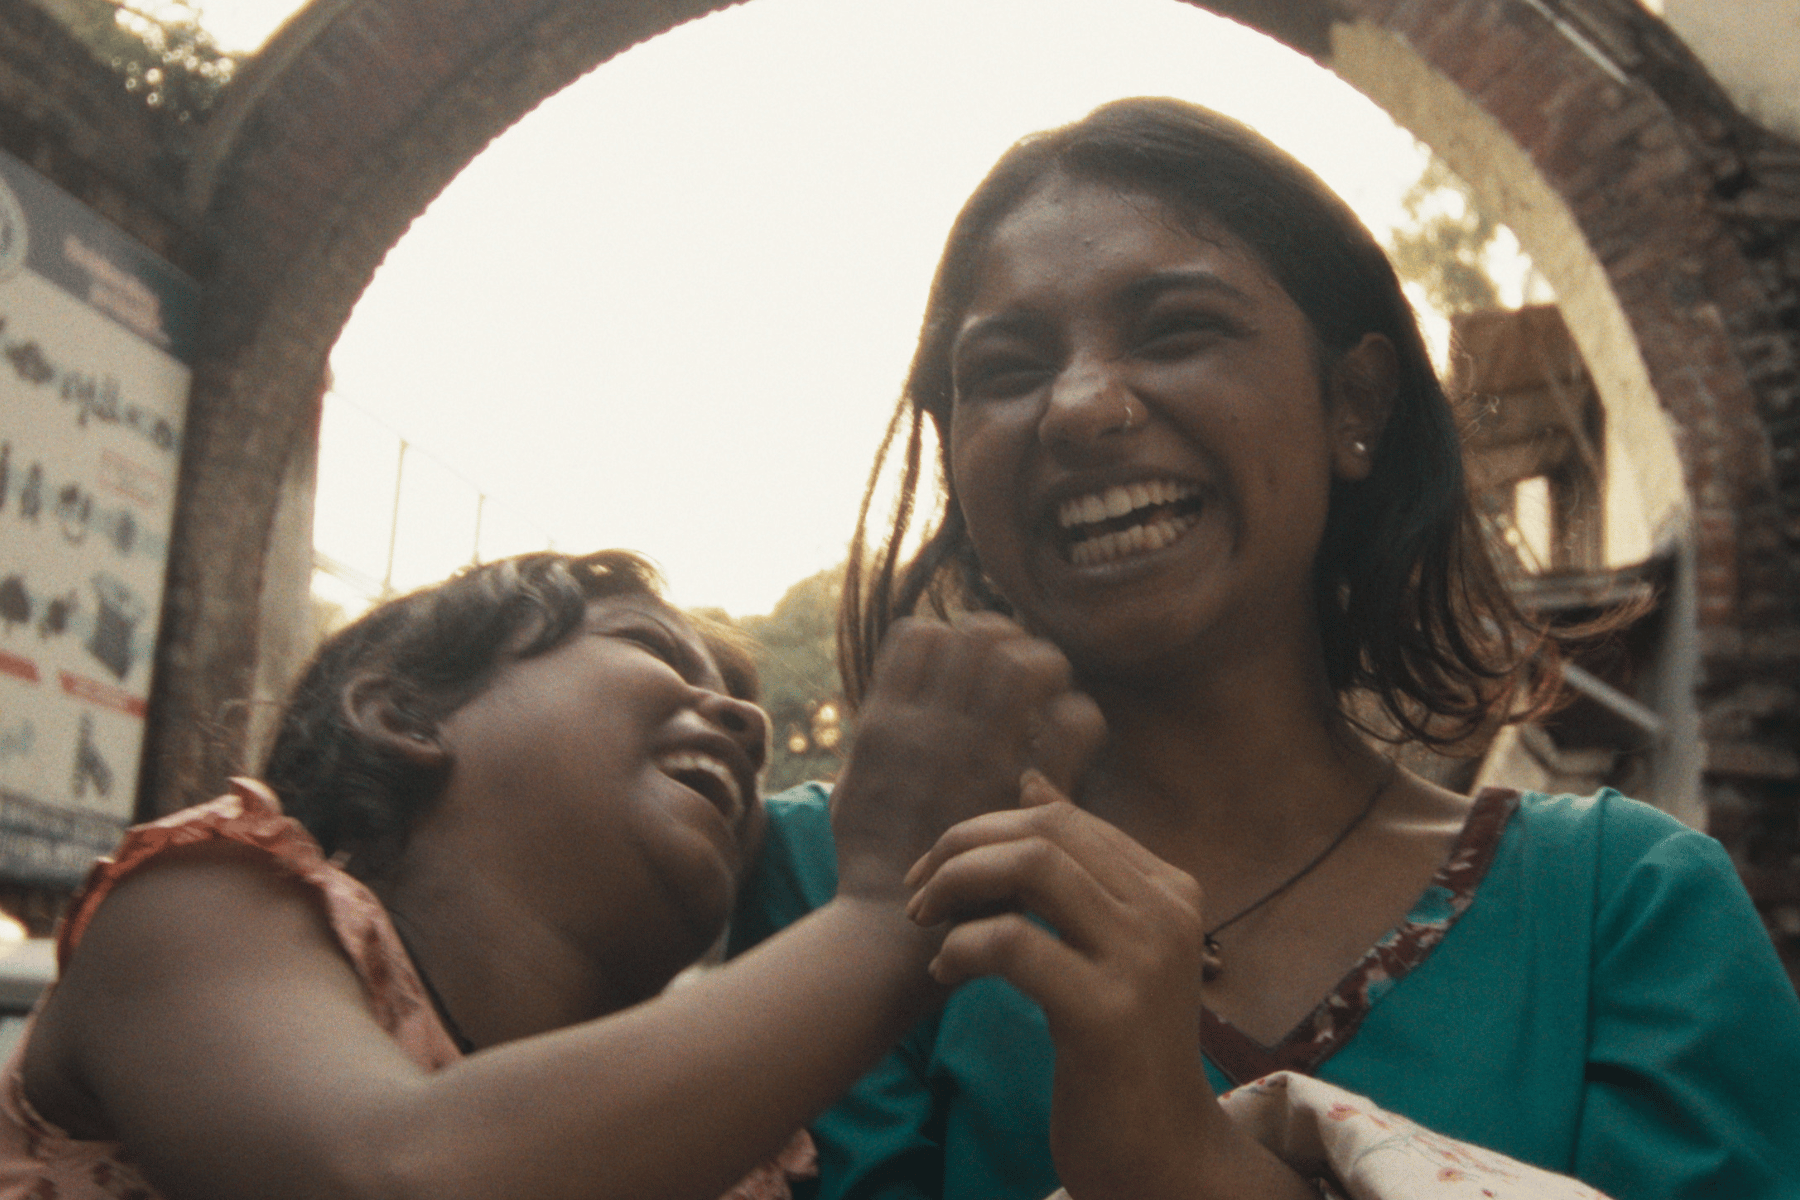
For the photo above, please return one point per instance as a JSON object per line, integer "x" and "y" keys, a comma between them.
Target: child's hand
{"x": 1133, "y": 1113}
{"x": 954, "y": 716}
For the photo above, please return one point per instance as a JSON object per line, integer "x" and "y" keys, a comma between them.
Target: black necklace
{"x": 457, "y": 1036}
{"x": 1213, "y": 961}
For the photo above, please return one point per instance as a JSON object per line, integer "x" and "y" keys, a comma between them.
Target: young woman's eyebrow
{"x": 1139, "y": 293}
{"x": 1132, "y": 296}
{"x": 1001, "y": 324}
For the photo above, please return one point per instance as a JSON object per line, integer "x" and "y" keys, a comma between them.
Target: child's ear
{"x": 1363, "y": 383}
{"x": 380, "y": 711}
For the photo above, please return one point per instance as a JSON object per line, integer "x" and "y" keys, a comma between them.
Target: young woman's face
{"x": 1139, "y": 442}
{"x": 616, "y": 776}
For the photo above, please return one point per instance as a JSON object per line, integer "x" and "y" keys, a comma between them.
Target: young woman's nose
{"x": 1088, "y": 401}
{"x": 745, "y": 722}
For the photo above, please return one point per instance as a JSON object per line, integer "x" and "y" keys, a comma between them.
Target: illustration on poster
{"x": 15, "y": 602}
{"x": 117, "y": 613}
{"x": 29, "y": 362}
{"x": 31, "y": 496}
{"x": 73, "y": 509}
{"x": 55, "y": 620}
{"x": 17, "y": 741}
{"x": 13, "y": 242}
{"x": 114, "y": 622}
{"x": 76, "y": 510}
{"x": 91, "y": 767}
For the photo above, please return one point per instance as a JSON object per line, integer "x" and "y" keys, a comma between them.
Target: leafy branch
{"x": 165, "y": 58}
{"x": 1446, "y": 248}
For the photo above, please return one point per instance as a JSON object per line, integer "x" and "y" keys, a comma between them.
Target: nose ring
{"x": 1130, "y": 420}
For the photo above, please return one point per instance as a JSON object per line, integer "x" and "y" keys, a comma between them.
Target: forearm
{"x": 1131, "y": 1122}
{"x": 680, "y": 1096}
{"x": 250, "y": 1065}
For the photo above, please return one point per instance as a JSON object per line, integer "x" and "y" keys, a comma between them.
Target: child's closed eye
{"x": 653, "y": 638}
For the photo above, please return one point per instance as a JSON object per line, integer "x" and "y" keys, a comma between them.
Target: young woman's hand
{"x": 954, "y": 716}
{"x": 1133, "y": 1114}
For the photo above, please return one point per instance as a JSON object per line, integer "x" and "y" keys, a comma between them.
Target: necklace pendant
{"x": 1212, "y": 961}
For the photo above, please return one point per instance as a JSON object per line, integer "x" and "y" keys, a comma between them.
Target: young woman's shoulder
{"x": 1617, "y": 834}
{"x": 1655, "y": 893}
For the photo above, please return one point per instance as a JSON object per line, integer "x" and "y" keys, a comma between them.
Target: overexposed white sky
{"x": 671, "y": 308}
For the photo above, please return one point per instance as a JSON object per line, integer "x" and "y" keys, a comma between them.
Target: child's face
{"x": 613, "y": 781}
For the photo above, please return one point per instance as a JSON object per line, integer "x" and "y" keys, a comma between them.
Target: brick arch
{"x": 360, "y": 111}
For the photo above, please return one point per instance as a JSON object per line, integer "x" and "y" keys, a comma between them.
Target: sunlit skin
{"x": 1111, "y": 340}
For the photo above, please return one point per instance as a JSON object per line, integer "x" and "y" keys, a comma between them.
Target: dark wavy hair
{"x": 434, "y": 650}
{"x": 1410, "y": 605}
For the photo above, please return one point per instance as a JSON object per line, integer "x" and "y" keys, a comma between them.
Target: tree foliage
{"x": 164, "y": 58}
{"x": 1445, "y": 250}
{"x": 797, "y": 656}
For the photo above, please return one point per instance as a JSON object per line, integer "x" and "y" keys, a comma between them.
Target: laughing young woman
{"x": 1191, "y": 435}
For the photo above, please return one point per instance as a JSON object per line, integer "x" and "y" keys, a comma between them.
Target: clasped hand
{"x": 954, "y": 715}
{"x": 1113, "y": 958}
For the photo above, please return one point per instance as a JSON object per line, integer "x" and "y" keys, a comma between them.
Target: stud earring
{"x": 1360, "y": 447}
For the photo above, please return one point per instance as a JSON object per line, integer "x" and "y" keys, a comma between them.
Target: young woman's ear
{"x": 1363, "y": 383}
{"x": 381, "y": 712}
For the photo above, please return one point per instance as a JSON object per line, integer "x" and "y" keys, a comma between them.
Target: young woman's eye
{"x": 1178, "y": 335}
{"x": 999, "y": 377}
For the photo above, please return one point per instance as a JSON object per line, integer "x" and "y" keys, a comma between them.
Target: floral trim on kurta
{"x": 39, "y": 1161}
{"x": 1334, "y": 1022}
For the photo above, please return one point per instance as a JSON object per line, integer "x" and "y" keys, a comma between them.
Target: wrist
{"x": 889, "y": 943}
{"x": 1242, "y": 1167}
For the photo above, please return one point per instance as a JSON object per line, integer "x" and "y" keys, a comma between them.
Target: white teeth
{"x": 677, "y": 761}
{"x": 1136, "y": 539}
{"x": 1111, "y": 503}
{"x": 1119, "y": 501}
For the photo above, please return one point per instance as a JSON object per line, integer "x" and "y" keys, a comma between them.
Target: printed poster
{"x": 96, "y": 338}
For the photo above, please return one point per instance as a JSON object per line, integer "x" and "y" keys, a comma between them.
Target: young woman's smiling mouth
{"x": 1116, "y": 522}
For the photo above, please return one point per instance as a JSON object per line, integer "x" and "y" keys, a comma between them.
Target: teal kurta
{"x": 1607, "y": 1006}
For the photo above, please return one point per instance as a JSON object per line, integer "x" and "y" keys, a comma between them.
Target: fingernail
{"x": 915, "y": 874}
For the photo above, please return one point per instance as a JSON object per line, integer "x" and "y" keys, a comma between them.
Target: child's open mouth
{"x": 707, "y": 775}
